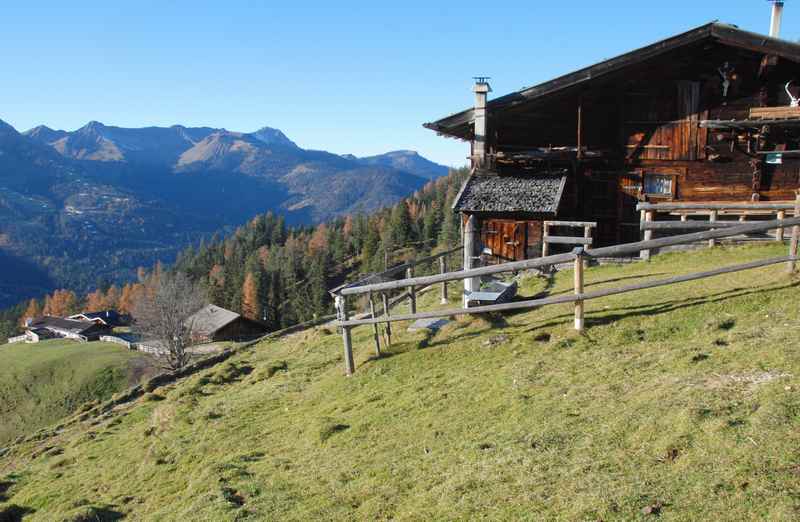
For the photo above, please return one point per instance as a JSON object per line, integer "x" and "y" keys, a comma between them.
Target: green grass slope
{"x": 681, "y": 402}
{"x": 44, "y": 382}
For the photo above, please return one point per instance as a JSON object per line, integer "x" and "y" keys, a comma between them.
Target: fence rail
{"x": 579, "y": 296}
{"x": 648, "y": 213}
{"x": 548, "y": 240}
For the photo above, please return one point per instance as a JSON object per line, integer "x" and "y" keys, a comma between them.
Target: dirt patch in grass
{"x": 750, "y": 380}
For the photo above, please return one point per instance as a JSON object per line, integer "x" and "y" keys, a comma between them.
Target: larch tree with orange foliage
{"x": 251, "y": 308}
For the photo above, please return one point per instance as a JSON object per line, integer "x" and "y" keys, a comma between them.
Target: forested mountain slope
{"x": 94, "y": 204}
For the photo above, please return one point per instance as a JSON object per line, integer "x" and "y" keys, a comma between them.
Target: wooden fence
{"x": 714, "y": 211}
{"x": 547, "y": 239}
{"x": 579, "y": 296}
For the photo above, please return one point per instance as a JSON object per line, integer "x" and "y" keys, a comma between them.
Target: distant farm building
{"x": 213, "y": 323}
{"x": 49, "y": 327}
{"x": 110, "y": 318}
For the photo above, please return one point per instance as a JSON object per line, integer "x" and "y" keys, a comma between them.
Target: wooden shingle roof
{"x": 527, "y": 193}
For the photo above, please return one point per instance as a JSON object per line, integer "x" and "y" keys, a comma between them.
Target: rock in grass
{"x": 495, "y": 340}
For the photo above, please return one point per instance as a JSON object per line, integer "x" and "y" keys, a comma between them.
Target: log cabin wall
{"x": 647, "y": 124}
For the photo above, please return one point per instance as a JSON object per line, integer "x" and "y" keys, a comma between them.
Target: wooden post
{"x": 386, "y": 313}
{"x": 587, "y": 233}
{"x": 471, "y": 284}
{"x": 648, "y": 234}
{"x": 579, "y": 288}
{"x": 341, "y": 307}
{"x": 375, "y": 333}
{"x": 412, "y": 295}
{"x": 712, "y": 217}
{"x": 779, "y": 230}
{"x": 795, "y": 234}
{"x": 443, "y": 270}
{"x": 579, "y": 153}
{"x": 545, "y": 234}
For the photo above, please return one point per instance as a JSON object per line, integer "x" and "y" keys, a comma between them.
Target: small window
{"x": 658, "y": 184}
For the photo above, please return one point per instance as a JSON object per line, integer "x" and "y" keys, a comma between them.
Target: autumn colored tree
{"x": 61, "y": 304}
{"x": 95, "y": 301}
{"x": 251, "y": 308}
{"x": 319, "y": 239}
{"x": 30, "y": 312}
{"x": 112, "y": 298}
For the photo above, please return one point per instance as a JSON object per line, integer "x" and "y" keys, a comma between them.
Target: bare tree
{"x": 163, "y": 316}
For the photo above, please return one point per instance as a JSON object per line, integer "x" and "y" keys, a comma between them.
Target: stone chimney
{"x": 481, "y": 90}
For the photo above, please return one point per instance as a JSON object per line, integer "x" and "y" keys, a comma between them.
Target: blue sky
{"x": 349, "y": 77}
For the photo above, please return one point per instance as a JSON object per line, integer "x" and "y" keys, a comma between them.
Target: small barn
{"x": 214, "y": 323}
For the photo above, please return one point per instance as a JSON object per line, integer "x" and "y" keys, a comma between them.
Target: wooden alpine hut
{"x": 707, "y": 115}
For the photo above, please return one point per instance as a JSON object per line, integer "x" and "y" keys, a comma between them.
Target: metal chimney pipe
{"x": 775, "y": 21}
{"x": 481, "y": 90}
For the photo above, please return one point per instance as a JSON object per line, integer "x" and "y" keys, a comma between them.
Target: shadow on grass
{"x": 616, "y": 314}
{"x": 14, "y": 513}
{"x": 614, "y": 280}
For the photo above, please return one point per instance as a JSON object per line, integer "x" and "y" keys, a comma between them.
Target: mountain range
{"x": 95, "y": 203}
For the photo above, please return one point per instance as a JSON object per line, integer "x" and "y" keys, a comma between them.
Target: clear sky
{"x": 348, "y": 77}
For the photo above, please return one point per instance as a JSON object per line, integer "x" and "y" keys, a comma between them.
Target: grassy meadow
{"x": 680, "y": 402}
{"x": 44, "y": 382}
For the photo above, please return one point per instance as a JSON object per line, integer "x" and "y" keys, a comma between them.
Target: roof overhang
{"x": 458, "y": 125}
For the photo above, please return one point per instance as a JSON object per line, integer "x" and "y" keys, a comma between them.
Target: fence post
{"x": 412, "y": 294}
{"x": 376, "y": 334}
{"x": 579, "y": 255}
{"x": 443, "y": 270}
{"x": 712, "y": 217}
{"x": 587, "y": 234}
{"x": 386, "y": 313}
{"x": 779, "y": 230}
{"x": 795, "y": 234}
{"x": 341, "y": 308}
{"x": 648, "y": 234}
{"x": 545, "y": 234}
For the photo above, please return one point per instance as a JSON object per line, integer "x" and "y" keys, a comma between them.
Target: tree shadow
{"x": 669, "y": 306}
{"x": 14, "y": 513}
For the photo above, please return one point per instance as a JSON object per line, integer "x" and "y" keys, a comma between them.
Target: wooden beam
{"x": 376, "y": 333}
{"x": 545, "y": 237}
{"x": 579, "y": 154}
{"x": 349, "y": 365}
{"x": 569, "y": 240}
{"x": 412, "y": 295}
{"x": 686, "y": 225}
{"x": 578, "y": 280}
{"x": 387, "y": 313}
{"x": 443, "y": 270}
{"x": 795, "y": 236}
{"x": 783, "y": 205}
{"x": 711, "y": 218}
{"x": 648, "y": 235}
{"x": 573, "y": 224}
